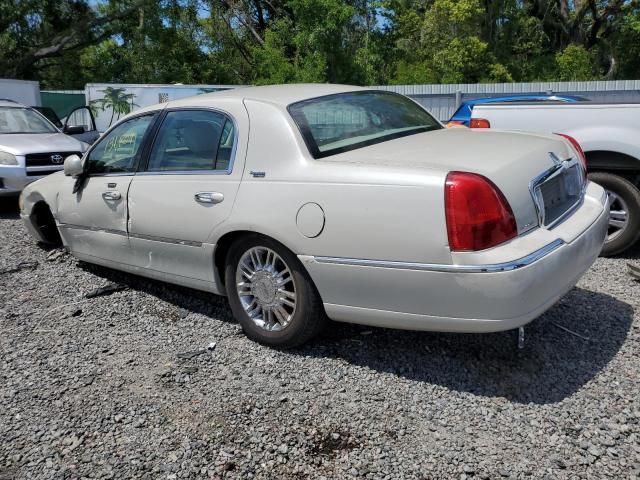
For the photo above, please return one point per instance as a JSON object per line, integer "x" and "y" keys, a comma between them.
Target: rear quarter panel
{"x": 370, "y": 212}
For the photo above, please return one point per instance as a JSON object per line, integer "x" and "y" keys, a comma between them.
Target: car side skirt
{"x": 153, "y": 274}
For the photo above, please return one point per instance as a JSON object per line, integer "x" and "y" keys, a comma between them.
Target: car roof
{"x": 282, "y": 95}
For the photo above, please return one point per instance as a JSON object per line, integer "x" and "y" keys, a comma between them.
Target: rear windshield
{"x": 346, "y": 121}
{"x": 23, "y": 120}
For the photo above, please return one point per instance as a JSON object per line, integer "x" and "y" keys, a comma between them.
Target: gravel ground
{"x": 98, "y": 388}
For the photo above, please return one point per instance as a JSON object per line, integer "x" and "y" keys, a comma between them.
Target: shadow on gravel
{"x": 564, "y": 349}
{"x": 195, "y": 301}
{"x": 553, "y": 365}
{"x": 9, "y": 208}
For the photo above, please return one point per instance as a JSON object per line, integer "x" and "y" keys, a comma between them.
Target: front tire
{"x": 271, "y": 294}
{"x": 46, "y": 224}
{"x": 624, "y": 219}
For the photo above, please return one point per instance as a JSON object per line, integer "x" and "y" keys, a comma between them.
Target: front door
{"x": 81, "y": 125}
{"x": 92, "y": 210}
{"x": 187, "y": 188}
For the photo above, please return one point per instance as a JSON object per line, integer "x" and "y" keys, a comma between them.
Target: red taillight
{"x": 478, "y": 215}
{"x": 576, "y": 146}
{"x": 479, "y": 123}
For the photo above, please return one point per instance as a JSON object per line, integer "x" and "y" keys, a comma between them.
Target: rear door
{"x": 186, "y": 189}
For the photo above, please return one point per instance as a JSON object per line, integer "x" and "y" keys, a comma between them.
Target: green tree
{"x": 67, "y": 43}
{"x": 41, "y": 39}
{"x": 443, "y": 44}
{"x": 575, "y": 63}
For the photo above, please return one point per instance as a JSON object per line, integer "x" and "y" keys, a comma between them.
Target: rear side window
{"x": 338, "y": 123}
{"x": 193, "y": 140}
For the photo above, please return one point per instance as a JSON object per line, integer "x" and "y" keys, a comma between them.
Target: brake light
{"x": 479, "y": 123}
{"x": 576, "y": 146}
{"x": 477, "y": 213}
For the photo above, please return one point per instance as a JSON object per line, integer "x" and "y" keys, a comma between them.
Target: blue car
{"x": 462, "y": 116}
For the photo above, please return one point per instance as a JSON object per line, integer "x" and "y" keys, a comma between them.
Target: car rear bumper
{"x": 474, "y": 296}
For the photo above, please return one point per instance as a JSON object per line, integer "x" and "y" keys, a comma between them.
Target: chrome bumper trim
{"x": 433, "y": 267}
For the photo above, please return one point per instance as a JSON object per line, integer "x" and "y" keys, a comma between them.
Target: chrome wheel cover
{"x": 618, "y": 216}
{"x": 266, "y": 288}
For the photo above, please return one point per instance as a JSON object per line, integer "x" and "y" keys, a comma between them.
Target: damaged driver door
{"x": 92, "y": 209}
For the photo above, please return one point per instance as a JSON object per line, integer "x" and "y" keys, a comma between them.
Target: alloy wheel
{"x": 266, "y": 288}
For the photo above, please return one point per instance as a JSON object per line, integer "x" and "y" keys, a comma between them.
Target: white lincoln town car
{"x": 307, "y": 202}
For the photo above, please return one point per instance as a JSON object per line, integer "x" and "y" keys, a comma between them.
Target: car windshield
{"x": 23, "y": 120}
{"x": 346, "y": 121}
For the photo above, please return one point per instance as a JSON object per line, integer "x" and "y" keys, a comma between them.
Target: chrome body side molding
{"x": 153, "y": 238}
{"x": 433, "y": 267}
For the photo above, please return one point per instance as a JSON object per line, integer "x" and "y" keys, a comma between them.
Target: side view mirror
{"x": 73, "y": 166}
{"x": 73, "y": 129}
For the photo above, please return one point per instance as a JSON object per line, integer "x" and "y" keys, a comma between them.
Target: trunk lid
{"x": 511, "y": 160}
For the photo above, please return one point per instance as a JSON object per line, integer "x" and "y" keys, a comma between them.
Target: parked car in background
{"x": 609, "y": 135}
{"x": 80, "y": 123}
{"x": 462, "y": 115}
{"x": 30, "y": 147}
{"x": 340, "y": 201}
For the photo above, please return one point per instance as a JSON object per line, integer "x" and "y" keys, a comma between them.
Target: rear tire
{"x": 624, "y": 221}
{"x": 271, "y": 294}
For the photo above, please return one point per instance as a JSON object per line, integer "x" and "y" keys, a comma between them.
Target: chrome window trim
{"x": 145, "y": 173}
{"x": 232, "y": 158}
{"x": 112, "y": 174}
{"x": 434, "y": 267}
{"x": 558, "y": 167}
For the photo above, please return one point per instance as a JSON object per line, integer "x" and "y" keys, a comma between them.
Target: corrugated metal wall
{"x": 441, "y": 99}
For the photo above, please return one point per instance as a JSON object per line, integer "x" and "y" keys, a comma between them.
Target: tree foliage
{"x": 67, "y": 43}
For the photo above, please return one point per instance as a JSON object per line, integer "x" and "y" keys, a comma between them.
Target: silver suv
{"x": 30, "y": 147}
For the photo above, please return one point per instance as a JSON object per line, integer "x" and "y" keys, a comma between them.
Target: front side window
{"x": 346, "y": 121}
{"x": 193, "y": 140}
{"x": 23, "y": 120}
{"x": 118, "y": 151}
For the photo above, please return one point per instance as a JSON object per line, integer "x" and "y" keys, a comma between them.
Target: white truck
{"x": 609, "y": 135}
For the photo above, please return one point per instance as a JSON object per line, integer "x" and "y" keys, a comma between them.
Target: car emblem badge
{"x": 57, "y": 158}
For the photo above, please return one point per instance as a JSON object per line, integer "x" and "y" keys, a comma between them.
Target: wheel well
{"x": 43, "y": 220}
{"x": 222, "y": 248}
{"x": 614, "y": 162}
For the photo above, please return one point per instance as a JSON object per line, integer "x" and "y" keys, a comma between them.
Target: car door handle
{"x": 111, "y": 195}
{"x": 209, "y": 197}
